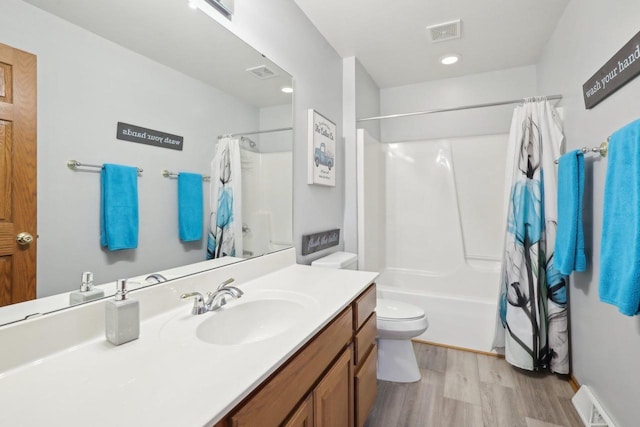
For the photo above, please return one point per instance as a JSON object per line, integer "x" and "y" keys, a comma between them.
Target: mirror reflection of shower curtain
{"x": 225, "y": 222}
{"x": 532, "y": 321}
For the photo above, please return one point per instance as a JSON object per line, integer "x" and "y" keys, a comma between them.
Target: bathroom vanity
{"x": 299, "y": 345}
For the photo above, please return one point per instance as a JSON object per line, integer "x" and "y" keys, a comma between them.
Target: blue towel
{"x": 620, "y": 247}
{"x": 119, "y": 207}
{"x": 190, "y": 206}
{"x": 569, "y": 250}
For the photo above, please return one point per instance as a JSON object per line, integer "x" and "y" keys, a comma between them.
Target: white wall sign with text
{"x": 322, "y": 150}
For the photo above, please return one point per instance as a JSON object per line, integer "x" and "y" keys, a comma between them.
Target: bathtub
{"x": 460, "y": 306}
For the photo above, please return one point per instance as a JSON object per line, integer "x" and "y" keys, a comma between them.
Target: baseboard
{"x": 453, "y": 347}
{"x": 573, "y": 382}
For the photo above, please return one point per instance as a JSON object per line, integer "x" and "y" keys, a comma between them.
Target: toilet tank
{"x": 341, "y": 260}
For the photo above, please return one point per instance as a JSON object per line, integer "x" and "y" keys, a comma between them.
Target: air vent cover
{"x": 262, "y": 72}
{"x": 445, "y": 31}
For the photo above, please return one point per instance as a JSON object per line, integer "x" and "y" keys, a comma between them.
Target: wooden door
{"x": 17, "y": 175}
{"x": 333, "y": 397}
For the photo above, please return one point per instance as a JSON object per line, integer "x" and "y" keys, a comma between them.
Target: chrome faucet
{"x": 215, "y": 300}
{"x": 159, "y": 278}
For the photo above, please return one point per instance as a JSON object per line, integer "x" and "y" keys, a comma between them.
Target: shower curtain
{"x": 532, "y": 322}
{"x": 225, "y": 226}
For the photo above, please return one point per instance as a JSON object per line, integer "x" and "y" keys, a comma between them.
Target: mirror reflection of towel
{"x": 190, "y": 206}
{"x": 119, "y": 207}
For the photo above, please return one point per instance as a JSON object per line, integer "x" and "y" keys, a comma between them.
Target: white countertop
{"x": 168, "y": 377}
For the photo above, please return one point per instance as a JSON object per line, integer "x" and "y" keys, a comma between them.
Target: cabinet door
{"x": 333, "y": 397}
{"x": 366, "y": 387}
{"x": 303, "y": 417}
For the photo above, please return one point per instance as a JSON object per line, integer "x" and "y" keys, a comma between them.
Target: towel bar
{"x": 74, "y": 165}
{"x": 168, "y": 174}
{"x": 601, "y": 149}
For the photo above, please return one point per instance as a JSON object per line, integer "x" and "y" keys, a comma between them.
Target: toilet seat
{"x": 391, "y": 310}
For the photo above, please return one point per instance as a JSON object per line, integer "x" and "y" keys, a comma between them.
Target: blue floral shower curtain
{"x": 225, "y": 226}
{"x": 532, "y": 312}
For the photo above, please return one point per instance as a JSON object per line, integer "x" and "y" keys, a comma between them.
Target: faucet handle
{"x": 226, "y": 282}
{"x": 199, "y": 306}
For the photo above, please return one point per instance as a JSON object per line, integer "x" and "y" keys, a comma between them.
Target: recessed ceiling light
{"x": 287, "y": 89}
{"x": 450, "y": 59}
{"x": 193, "y": 4}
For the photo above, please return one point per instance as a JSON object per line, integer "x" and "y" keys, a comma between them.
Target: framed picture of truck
{"x": 322, "y": 150}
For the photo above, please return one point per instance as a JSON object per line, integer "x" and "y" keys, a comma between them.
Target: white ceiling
{"x": 390, "y": 38}
{"x": 187, "y": 40}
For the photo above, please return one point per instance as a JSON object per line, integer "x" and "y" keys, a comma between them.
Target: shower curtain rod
{"x": 464, "y": 107}
{"x": 255, "y": 132}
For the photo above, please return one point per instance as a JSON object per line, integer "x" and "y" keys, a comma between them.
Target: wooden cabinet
{"x": 365, "y": 339}
{"x": 366, "y": 387}
{"x": 280, "y": 394}
{"x": 330, "y": 382}
{"x": 363, "y": 306}
{"x": 366, "y": 355}
{"x": 333, "y": 397}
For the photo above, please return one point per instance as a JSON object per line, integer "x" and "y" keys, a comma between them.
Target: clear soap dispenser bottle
{"x": 122, "y": 316}
{"x": 86, "y": 292}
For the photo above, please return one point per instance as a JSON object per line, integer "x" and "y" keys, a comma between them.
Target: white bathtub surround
{"x": 442, "y": 231}
{"x": 168, "y": 376}
{"x": 267, "y": 198}
{"x": 533, "y": 296}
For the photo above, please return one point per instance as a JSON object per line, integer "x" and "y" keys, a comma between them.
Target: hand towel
{"x": 620, "y": 245}
{"x": 569, "y": 251}
{"x": 190, "y": 206}
{"x": 119, "y": 207}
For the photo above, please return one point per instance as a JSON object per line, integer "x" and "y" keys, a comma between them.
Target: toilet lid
{"x": 395, "y": 310}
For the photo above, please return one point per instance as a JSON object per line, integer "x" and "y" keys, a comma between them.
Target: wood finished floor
{"x": 463, "y": 389}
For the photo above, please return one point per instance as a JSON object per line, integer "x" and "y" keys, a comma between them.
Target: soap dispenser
{"x": 122, "y": 316}
{"x": 86, "y": 292}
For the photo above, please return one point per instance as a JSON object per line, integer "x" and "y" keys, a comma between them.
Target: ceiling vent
{"x": 445, "y": 31}
{"x": 262, "y": 72}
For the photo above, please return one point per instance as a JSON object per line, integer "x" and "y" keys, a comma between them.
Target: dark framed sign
{"x": 318, "y": 241}
{"x": 133, "y": 133}
{"x": 618, "y": 71}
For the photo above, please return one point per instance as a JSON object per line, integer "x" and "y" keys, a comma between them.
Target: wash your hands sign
{"x": 618, "y": 71}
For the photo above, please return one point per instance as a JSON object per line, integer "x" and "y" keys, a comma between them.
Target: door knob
{"x": 24, "y": 238}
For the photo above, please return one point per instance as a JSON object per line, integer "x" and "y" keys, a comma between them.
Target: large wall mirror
{"x": 158, "y": 65}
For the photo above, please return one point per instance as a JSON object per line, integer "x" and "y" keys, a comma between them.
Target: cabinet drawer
{"x": 366, "y": 387}
{"x": 363, "y": 306}
{"x": 271, "y": 404}
{"x": 365, "y": 339}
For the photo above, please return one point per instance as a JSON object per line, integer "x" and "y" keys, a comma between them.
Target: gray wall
{"x": 280, "y": 30}
{"x": 480, "y": 88}
{"x": 605, "y": 344}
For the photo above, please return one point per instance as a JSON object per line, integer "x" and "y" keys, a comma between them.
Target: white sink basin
{"x": 251, "y": 321}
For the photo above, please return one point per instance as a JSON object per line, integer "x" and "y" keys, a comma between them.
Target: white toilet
{"x": 397, "y": 322}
